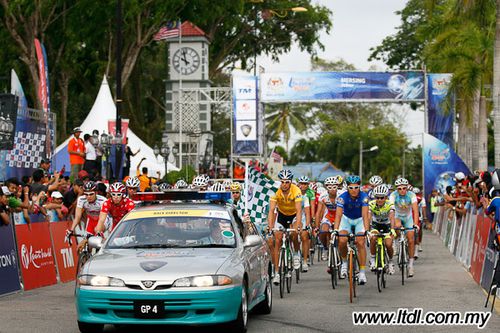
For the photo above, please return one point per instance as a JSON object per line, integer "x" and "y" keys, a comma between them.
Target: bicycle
{"x": 352, "y": 263}
{"x": 285, "y": 262}
{"x": 301, "y": 258}
{"x": 381, "y": 258}
{"x": 403, "y": 258}
{"x": 312, "y": 248}
{"x": 334, "y": 261}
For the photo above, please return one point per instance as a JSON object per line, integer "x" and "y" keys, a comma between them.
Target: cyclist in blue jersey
{"x": 352, "y": 216}
{"x": 406, "y": 206}
{"x": 494, "y": 208}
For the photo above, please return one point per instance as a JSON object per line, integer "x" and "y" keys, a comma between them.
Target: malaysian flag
{"x": 170, "y": 30}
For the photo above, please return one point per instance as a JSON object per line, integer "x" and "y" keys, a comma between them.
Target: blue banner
{"x": 9, "y": 273}
{"x": 440, "y": 165}
{"x": 342, "y": 86}
{"x": 440, "y": 120}
{"x": 246, "y": 132}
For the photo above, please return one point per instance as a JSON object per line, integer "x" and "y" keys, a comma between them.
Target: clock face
{"x": 186, "y": 61}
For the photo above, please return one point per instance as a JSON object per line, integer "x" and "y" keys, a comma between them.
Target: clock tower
{"x": 187, "y": 118}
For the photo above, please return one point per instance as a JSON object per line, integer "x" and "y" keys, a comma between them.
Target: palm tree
{"x": 280, "y": 118}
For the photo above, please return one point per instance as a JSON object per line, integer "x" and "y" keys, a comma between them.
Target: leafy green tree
{"x": 304, "y": 150}
{"x": 280, "y": 118}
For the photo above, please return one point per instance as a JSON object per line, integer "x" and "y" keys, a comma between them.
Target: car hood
{"x": 166, "y": 265}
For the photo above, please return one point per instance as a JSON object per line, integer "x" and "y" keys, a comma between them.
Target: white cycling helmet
{"x": 181, "y": 183}
{"x": 410, "y": 187}
{"x": 381, "y": 190}
{"x": 303, "y": 179}
{"x": 376, "y": 180}
{"x": 200, "y": 181}
{"x": 285, "y": 175}
{"x": 163, "y": 187}
{"x": 133, "y": 182}
{"x": 401, "y": 181}
{"x": 416, "y": 190}
{"x": 334, "y": 180}
{"x": 217, "y": 187}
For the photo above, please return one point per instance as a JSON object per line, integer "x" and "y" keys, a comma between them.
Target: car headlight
{"x": 203, "y": 281}
{"x": 100, "y": 281}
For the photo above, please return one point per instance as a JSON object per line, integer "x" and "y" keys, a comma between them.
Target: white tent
{"x": 104, "y": 109}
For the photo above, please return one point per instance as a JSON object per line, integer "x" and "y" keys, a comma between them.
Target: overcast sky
{"x": 358, "y": 25}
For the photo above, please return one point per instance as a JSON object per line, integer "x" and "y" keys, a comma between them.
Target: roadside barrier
{"x": 468, "y": 238}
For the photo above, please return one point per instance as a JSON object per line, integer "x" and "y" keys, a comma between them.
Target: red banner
{"x": 112, "y": 128}
{"x": 479, "y": 246}
{"x": 35, "y": 255}
{"x": 42, "y": 87}
{"x": 66, "y": 256}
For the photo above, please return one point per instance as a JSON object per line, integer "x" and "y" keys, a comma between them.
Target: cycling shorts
{"x": 383, "y": 228}
{"x": 327, "y": 222}
{"x": 350, "y": 225}
{"x": 406, "y": 221}
{"x": 285, "y": 221}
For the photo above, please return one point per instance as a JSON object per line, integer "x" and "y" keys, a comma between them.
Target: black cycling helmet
{"x": 89, "y": 186}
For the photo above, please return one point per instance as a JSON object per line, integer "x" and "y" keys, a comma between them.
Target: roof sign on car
{"x": 182, "y": 195}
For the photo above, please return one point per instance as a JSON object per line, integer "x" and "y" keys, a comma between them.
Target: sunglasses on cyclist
{"x": 286, "y": 181}
{"x": 331, "y": 187}
{"x": 88, "y": 193}
{"x": 402, "y": 188}
{"x": 235, "y": 192}
{"x": 116, "y": 194}
{"x": 353, "y": 187}
{"x": 380, "y": 198}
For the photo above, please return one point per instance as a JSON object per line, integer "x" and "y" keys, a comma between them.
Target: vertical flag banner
{"x": 245, "y": 115}
{"x": 440, "y": 121}
{"x": 258, "y": 192}
{"x": 43, "y": 92}
{"x": 440, "y": 163}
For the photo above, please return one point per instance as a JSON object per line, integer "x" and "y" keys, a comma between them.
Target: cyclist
{"x": 132, "y": 185}
{"x": 422, "y": 213}
{"x": 309, "y": 192}
{"x": 325, "y": 215}
{"x": 288, "y": 203}
{"x": 306, "y": 219}
{"x": 382, "y": 221}
{"x": 90, "y": 203}
{"x": 116, "y": 206}
{"x": 352, "y": 215}
{"x": 405, "y": 204}
{"x": 181, "y": 183}
{"x": 373, "y": 182}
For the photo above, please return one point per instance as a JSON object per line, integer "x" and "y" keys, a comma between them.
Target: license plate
{"x": 149, "y": 309}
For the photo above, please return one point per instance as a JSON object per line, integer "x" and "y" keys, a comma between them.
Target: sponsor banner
{"x": 440, "y": 120}
{"x": 9, "y": 273}
{"x": 479, "y": 246}
{"x": 328, "y": 86}
{"x": 246, "y": 135}
{"x": 66, "y": 256}
{"x": 440, "y": 164}
{"x": 112, "y": 129}
{"x": 35, "y": 255}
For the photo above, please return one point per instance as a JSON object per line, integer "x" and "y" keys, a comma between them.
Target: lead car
{"x": 181, "y": 263}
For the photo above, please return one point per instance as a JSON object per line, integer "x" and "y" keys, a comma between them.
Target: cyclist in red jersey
{"x": 117, "y": 206}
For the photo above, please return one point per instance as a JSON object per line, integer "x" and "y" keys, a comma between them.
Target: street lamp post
{"x": 216, "y": 162}
{"x": 164, "y": 150}
{"x": 361, "y": 151}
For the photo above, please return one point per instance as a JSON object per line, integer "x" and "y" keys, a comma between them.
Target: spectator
{"x": 4, "y": 211}
{"x": 239, "y": 172}
{"x": 14, "y": 203}
{"x": 56, "y": 211}
{"x": 76, "y": 150}
{"x": 146, "y": 181}
{"x": 40, "y": 179}
{"x": 98, "y": 149}
{"x": 70, "y": 197}
{"x": 128, "y": 155}
{"x": 90, "y": 164}
{"x": 84, "y": 176}
{"x": 102, "y": 189}
{"x": 433, "y": 201}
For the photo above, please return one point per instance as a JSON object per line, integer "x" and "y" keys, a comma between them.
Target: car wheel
{"x": 266, "y": 306}
{"x": 240, "y": 324}
{"x": 90, "y": 328}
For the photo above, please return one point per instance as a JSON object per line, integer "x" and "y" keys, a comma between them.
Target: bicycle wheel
{"x": 281, "y": 270}
{"x": 312, "y": 250}
{"x": 289, "y": 270}
{"x": 380, "y": 268}
{"x": 331, "y": 265}
{"x": 402, "y": 257}
{"x": 297, "y": 271}
{"x": 350, "y": 260}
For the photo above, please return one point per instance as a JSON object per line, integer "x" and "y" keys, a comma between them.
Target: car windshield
{"x": 166, "y": 232}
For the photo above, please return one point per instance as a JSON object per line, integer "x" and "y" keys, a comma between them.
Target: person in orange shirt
{"x": 239, "y": 172}
{"x": 76, "y": 150}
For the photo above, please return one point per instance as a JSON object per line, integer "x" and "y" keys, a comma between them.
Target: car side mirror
{"x": 95, "y": 242}
{"x": 252, "y": 240}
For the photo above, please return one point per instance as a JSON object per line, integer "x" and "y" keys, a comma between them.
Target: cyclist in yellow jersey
{"x": 382, "y": 221}
{"x": 288, "y": 203}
